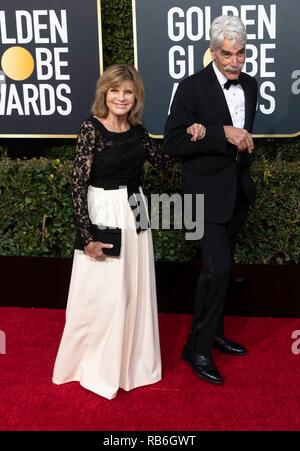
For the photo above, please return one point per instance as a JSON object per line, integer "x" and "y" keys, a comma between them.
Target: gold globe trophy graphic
{"x": 17, "y": 63}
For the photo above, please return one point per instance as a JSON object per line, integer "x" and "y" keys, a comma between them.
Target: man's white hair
{"x": 230, "y": 27}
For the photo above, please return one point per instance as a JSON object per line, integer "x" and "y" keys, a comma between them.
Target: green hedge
{"x": 272, "y": 231}
{"x": 36, "y": 214}
{"x": 117, "y": 35}
{"x": 274, "y": 149}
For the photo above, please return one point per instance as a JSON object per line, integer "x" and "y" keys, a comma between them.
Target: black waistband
{"x": 132, "y": 184}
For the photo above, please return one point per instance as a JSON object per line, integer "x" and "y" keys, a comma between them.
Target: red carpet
{"x": 261, "y": 390}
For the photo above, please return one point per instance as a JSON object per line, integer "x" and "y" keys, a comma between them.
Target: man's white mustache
{"x": 234, "y": 69}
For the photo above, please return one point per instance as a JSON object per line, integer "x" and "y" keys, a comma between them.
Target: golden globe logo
{"x": 207, "y": 58}
{"x": 17, "y": 63}
{"x": 24, "y": 71}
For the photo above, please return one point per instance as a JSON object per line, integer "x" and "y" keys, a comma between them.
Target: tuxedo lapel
{"x": 216, "y": 94}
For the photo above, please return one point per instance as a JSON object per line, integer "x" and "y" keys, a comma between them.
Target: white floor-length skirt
{"x": 111, "y": 337}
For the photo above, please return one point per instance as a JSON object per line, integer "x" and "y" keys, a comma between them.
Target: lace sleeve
{"x": 156, "y": 156}
{"x": 80, "y": 179}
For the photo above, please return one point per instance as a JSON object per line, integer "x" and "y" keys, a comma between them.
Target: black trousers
{"x": 217, "y": 250}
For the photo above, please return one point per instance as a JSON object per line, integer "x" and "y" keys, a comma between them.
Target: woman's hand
{"x": 94, "y": 249}
{"x": 197, "y": 131}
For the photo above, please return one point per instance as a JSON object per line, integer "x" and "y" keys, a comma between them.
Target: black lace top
{"x": 101, "y": 154}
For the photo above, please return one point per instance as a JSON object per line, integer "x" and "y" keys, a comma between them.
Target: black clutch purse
{"x": 110, "y": 235}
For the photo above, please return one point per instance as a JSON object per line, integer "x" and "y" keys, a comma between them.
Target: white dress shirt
{"x": 235, "y": 99}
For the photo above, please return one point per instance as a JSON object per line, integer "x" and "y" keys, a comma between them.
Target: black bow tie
{"x": 231, "y": 82}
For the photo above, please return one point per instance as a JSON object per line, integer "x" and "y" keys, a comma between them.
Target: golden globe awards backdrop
{"x": 50, "y": 59}
{"x": 172, "y": 39}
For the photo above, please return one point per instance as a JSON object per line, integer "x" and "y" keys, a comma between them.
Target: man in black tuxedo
{"x": 209, "y": 126}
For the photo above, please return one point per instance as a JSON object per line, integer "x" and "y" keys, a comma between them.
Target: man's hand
{"x": 239, "y": 137}
{"x": 197, "y": 131}
{"x": 94, "y": 249}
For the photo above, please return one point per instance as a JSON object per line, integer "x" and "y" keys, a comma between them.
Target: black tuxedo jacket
{"x": 209, "y": 166}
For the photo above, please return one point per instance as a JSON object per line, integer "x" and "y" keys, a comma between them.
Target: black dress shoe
{"x": 229, "y": 347}
{"x": 202, "y": 366}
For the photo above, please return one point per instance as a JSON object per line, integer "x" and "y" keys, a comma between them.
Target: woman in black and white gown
{"x": 111, "y": 337}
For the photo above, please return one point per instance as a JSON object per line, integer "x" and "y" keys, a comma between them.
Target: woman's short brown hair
{"x": 112, "y": 77}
